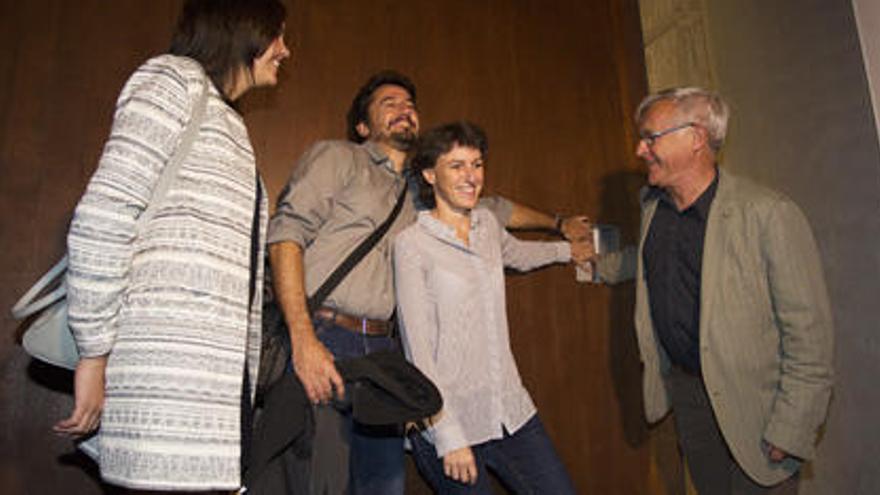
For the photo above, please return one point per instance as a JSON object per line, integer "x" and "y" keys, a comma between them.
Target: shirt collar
{"x": 440, "y": 230}
{"x": 378, "y": 156}
{"x": 700, "y": 206}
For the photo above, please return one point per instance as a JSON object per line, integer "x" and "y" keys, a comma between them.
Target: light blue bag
{"x": 48, "y": 337}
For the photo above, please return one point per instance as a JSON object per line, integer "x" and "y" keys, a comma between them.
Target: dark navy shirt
{"x": 673, "y": 258}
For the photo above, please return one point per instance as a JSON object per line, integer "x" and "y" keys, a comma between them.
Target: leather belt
{"x": 353, "y": 323}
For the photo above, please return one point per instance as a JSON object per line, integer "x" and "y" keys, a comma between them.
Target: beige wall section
{"x": 867, "y": 13}
{"x": 676, "y": 51}
{"x": 803, "y": 124}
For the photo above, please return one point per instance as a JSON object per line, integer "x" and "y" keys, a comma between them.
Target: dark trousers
{"x": 710, "y": 463}
{"x": 525, "y": 461}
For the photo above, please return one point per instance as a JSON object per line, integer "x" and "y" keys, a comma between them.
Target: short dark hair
{"x": 436, "y": 143}
{"x": 358, "y": 111}
{"x": 224, "y": 35}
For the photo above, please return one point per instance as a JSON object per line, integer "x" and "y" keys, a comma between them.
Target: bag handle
{"x": 180, "y": 154}
{"x": 28, "y": 305}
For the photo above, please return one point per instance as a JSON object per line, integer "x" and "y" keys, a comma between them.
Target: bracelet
{"x": 557, "y": 223}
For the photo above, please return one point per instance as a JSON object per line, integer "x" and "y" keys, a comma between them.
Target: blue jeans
{"x": 375, "y": 455}
{"x": 525, "y": 461}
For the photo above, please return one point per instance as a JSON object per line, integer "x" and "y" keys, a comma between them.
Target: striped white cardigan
{"x": 170, "y": 304}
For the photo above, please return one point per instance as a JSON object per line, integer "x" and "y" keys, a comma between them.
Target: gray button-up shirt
{"x": 338, "y": 194}
{"x": 451, "y": 305}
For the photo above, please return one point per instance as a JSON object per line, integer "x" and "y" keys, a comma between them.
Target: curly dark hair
{"x": 358, "y": 111}
{"x": 436, "y": 143}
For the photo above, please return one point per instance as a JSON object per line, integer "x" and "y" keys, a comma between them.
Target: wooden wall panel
{"x": 553, "y": 83}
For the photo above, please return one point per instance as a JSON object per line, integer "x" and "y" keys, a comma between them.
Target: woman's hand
{"x": 88, "y": 390}
{"x": 461, "y": 466}
{"x": 582, "y": 251}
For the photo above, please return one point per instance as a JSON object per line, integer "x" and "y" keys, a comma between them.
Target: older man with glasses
{"x": 732, "y": 313}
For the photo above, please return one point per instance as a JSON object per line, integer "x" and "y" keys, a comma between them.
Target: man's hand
{"x": 314, "y": 366}
{"x": 576, "y": 228}
{"x": 88, "y": 391}
{"x": 461, "y": 466}
{"x": 312, "y": 362}
{"x": 775, "y": 453}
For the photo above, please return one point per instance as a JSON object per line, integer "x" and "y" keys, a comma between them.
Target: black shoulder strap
{"x": 317, "y": 299}
{"x": 255, "y": 239}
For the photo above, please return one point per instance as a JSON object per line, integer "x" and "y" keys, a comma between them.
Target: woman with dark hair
{"x": 166, "y": 312}
{"x": 449, "y": 280}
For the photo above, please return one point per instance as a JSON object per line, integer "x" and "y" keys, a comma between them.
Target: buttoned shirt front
{"x": 673, "y": 257}
{"x": 451, "y": 304}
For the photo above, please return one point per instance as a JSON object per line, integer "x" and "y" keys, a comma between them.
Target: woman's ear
{"x": 429, "y": 175}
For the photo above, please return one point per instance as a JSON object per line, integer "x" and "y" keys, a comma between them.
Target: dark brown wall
{"x": 553, "y": 83}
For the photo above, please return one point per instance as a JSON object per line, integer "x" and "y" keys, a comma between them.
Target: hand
{"x": 582, "y": 251}
{"x": 88, "y": 391}
{"x": 576, "y": 228}
{"x": 314, "y": 366}
{"x": 461, "y": 466}
{"x": 775, "y": 453}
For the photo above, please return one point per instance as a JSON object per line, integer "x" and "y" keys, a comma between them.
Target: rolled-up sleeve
{"x": 619, "y": 266}
{"x": 306, "y": 201}
{"x": 500, "y": 207}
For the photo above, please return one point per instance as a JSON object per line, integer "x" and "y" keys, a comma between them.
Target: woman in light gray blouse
{"x": 449, "y": 278}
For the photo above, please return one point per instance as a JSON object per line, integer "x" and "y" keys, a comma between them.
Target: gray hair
{"x": 703, "y": 107}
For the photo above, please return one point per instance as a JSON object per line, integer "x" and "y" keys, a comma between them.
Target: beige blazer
{"x": 765, "y": 326}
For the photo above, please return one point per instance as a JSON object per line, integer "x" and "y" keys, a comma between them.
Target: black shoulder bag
{"x": 276, "y": 349}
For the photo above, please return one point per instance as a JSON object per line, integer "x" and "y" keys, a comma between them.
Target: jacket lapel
{"x": 649, "y": 206}
{"x": 643, "y": 312}
{"x": 717, "y": 230}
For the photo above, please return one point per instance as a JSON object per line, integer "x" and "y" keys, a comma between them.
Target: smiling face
{"x": 457, "y": 179}
{"x": 670, "y": 158}
{"x": 392, "y": 118}
{"x": 264, "y": 69}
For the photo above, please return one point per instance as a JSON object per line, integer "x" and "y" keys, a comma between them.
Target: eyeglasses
{"x": 651, "y": 137}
